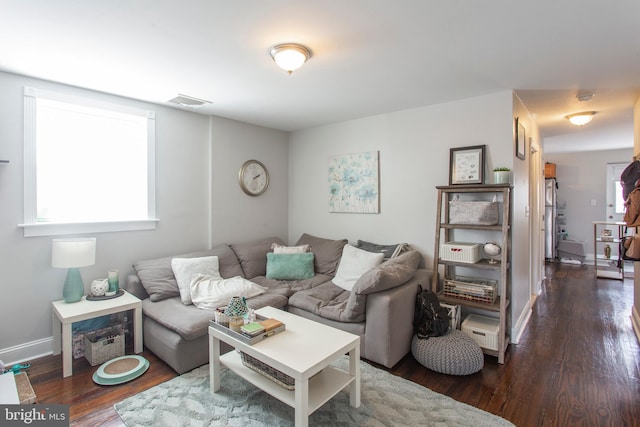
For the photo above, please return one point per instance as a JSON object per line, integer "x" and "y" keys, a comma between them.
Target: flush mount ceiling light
{"x": 290, "y": 56}
{"x": 581, "y": 119}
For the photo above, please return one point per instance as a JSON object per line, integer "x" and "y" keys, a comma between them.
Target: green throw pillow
{"x": 290, "y": 266}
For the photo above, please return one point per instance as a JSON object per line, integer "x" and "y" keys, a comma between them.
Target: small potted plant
{"x": 502, "y": 175}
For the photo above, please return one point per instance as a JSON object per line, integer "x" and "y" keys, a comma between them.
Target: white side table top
{"x": 83, "y": 309}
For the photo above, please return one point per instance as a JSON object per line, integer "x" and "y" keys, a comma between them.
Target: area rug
{"x": 387, "y": 400}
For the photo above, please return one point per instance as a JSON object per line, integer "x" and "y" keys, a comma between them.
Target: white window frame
{"x": 31, "y": 225}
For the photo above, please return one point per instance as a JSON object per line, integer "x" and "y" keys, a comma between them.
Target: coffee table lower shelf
{"x": 322, "y": 386}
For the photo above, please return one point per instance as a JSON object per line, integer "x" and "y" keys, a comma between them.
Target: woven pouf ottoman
{"x": 455, "y": 353}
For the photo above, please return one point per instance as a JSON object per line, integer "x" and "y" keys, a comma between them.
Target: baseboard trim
{"x": 635, "y": 321}
{"x": 27, "y": 351}
{"x": 518, "y": 329}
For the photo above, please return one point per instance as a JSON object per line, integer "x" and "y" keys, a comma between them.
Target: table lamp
{"x": 71, "y": 254}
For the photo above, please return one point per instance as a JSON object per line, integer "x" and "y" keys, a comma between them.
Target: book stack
{"x": 254, "y": 329}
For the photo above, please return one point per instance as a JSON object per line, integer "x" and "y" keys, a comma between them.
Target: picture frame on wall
{"x": 521, "y": 142}
{"x": 466, "y": 165}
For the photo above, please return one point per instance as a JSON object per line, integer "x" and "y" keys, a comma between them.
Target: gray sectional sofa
{"x": 379, "y": 307}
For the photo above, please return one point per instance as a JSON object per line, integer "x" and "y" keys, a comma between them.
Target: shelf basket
{"x": 267, "y": 371}
{"x": 471, "y": 289}
{"x": 103, "y": 346}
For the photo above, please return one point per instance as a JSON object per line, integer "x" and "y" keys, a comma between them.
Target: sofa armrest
{"x": 134, "y": 286}
{"x": 389, "y": 320}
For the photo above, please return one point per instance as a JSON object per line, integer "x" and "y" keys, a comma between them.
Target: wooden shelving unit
{"x": 445, "y": 232}
{"x": 616, "y": 268}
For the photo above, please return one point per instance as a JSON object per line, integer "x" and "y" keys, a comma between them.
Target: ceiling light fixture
{"x": 290, "y": 56}
{"x": 581, "y": 119}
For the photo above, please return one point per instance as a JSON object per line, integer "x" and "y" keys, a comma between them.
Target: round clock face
{"x": 253, "y": 177}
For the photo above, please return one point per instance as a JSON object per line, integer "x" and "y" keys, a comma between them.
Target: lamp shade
{"x": 73, "y": 253}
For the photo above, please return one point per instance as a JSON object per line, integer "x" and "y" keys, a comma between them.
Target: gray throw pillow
{"x": 253, "y": 255}
{"x": 327, "y": 252}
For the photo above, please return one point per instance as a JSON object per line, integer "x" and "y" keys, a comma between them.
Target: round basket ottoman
{"x": 455, "y": 353}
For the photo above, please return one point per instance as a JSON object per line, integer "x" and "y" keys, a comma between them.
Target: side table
{"x": 65, "y": 314}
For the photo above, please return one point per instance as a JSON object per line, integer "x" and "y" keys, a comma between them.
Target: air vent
{"x": 188, "y": 101}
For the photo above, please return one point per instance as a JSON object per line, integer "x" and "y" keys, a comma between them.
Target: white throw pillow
{"x": 281, "y": 249}
{"x": 353, "y": 264}
{"x": 185, "y": 268}
{"x": 208, "y": 292}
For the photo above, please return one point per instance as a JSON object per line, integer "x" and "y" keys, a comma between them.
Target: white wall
{"x": 414, "y": 158}
{"x": 187, "y": 145}
{"x": 237, "y": 217}
{"x": 582, "y": 178}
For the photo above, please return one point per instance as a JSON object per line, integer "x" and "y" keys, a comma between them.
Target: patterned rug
{"x": 387, "y": 400}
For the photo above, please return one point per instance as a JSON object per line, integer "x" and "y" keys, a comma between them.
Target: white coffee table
{"x": 65, "y": 314}
{"x": 304, "y": 349}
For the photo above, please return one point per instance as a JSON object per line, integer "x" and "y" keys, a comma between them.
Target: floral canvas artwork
{"x": 353, "y": 183}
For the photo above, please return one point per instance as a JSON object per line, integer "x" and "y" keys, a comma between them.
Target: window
{"x": 89, "y": 166}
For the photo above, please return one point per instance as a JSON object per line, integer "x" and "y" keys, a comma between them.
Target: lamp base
{"x": 73, "y": 289}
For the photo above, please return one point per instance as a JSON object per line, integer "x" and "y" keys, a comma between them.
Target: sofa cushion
{"x": 290, "y": 266}
{"x": 289, "y": 287}
{"x": 253, "y": 255}
{"x": 326, "y": 300}
{"x": 353, "y": 264}
{"x": 391, "y": 273}
{"x": 327, "y": 252}
{"x": 159, "y": 281}
{"x": 333, "y": 302}
{"x": 185, "y": 268}
{"x": 191, "y": 322}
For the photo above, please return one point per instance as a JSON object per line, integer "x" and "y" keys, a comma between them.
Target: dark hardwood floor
{"x": 577, "y": 364}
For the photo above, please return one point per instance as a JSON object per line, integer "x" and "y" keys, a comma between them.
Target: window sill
{"x": 56, "y": 229}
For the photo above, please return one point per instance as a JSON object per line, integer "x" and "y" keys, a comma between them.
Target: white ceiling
{"x": 369, "y": 56}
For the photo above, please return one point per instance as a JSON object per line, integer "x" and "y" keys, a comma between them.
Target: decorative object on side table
{"x": 72, "y": 254}
{"x": 99, "y": 287}
{"x": 114, "y": 282}
{"x": 466, "y": 165}
{"x": 502, "y": 175}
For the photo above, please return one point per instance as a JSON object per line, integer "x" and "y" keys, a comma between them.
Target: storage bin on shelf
{"x": 471, "y": 289}
{"x": 473, "y": 212}
{"x": 484, "y": 330}
{"x": 461, "y": 252}
{"x": 104, "y": 345}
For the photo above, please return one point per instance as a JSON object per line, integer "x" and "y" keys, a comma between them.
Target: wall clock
{"x": 253, "y": 178}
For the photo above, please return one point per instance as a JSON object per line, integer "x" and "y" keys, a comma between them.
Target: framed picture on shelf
{"x": 466, "y": 165}
{"x": 521, "y": 149}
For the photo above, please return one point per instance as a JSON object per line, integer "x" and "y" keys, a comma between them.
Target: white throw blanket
{"x": 210, "y": 292}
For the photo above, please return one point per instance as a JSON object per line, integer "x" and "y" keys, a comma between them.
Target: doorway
{"x": 615, "y": 201}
